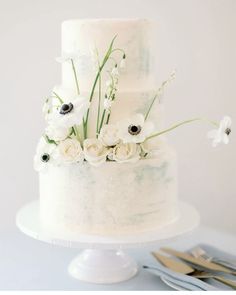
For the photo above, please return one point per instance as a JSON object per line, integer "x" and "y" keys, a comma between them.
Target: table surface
{"x": 28, "y": 264}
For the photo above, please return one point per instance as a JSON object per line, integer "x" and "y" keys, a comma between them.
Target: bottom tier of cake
{"x": 112, "y": 199}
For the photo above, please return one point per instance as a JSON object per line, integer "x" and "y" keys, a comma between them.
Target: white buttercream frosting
{"x": 136, "y": 87}
{"x": 134, "y": 36}
{"x": 114, "y": 198}
{"x": 110, "y": 199}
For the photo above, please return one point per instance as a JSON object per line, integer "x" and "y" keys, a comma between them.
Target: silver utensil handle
{"x": 225, "y": 263}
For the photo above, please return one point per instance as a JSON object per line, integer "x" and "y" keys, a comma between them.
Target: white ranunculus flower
{"x": 126, "y": 153}
{"x": 57, "y": 133}
{"x": 135, "y": 129}
{"x": 222, "y": 133}
{"x": 70, "y": 151}
{"x": 109, "y": 135}
{"x": 94, "y": 151}
{"x": 71, "y": 113}
{"x": 45, "y": 154}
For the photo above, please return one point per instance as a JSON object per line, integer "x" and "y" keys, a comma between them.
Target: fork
{"x": 199, "y": 252}
{"x": 184, "y": 268}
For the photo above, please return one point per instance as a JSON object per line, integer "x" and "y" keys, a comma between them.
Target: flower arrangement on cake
{"x": 66, "y": 140}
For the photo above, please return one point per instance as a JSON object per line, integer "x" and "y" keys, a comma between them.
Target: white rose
{"x": 57, "y": 133}
{"x": 109, "y": 135}
{"x": 126, "y": 152}
{"x": 70, "y": 151}
{"x": 94, "y": 151}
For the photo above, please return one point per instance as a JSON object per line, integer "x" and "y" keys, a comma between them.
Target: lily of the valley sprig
{"x": 66, "y": 141}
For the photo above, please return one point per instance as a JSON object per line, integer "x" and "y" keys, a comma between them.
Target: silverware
{"x": 199, "y": 252}
{"x": 210, "y": 266}
{"x": 177, "y": 266}
{"x": 184, "y": 268}
{"x": 181, "y": 280}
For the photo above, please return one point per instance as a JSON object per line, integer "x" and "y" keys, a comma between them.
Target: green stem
{"x": 78, "y": 92}
{"x": 150, "y": 107}
{"x": 104, "y": 111}
{"x": 105, "y": 59}
{"x": 159, "y": 91}
{"x": 48, "y": 140}
{"x": 109, "y": 115}
{"x": 102, "y": 120}
{"x": 58, "y": 97}
{"x": 75, "y": 76}
{"x": 76, "y": 132}
{"x": 99, "y": 102}
{"x": 108, "y": 118}
{"x": 118, "y": 49}
{"x": 173, "y": 127}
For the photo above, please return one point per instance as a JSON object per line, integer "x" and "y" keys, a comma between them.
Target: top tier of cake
{"x": 134, "y": 36}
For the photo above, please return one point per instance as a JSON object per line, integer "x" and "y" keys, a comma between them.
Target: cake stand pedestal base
{"x": 103, "y": 266}
{"x": 103, "y": 261}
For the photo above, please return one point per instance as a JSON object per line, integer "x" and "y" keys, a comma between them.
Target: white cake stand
{"x": 103, "y": 260}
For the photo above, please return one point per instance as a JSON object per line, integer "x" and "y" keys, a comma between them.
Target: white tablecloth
{"x": 28, "y": 264}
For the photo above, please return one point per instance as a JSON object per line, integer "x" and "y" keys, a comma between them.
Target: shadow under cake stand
{"x": 103, "y": 260}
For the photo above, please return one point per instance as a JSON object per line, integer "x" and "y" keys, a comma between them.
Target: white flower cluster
{"x": 121, "y": 142}
{"x": 65, "y": 140}
{"x": 112, "y": 83}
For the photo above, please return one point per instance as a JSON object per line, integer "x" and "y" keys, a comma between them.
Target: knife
{"x": 177, "y": 266}
{"x": 198, "y": 261}
{"x": 184, "y": 268}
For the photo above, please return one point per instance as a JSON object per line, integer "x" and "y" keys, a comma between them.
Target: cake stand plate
{"x": 103, "y": 260}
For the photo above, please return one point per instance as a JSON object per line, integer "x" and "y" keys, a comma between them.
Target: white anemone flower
{"x": 71, "y": 113}
{"x": 221, "y": 135}
{"x": 135, "y": 129}
{"x": 44, "y": 155}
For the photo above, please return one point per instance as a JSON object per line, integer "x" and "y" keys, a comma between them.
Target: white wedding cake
{"x": 104, "y": 167}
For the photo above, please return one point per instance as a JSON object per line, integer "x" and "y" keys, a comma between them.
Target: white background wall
{"x": 198, "y": 37}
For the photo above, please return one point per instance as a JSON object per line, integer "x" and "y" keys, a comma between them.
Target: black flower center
{"x": 66, "y": 108}
{"x": 45, "y": 158}
{"x": 134, "y": 129}
{"x": 228, "y": 131}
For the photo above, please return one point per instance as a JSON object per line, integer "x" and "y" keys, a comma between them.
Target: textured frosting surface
{"x": 134, "y": 36}
{"x": 136, "y": 87}
{"x": 111, "y": 199}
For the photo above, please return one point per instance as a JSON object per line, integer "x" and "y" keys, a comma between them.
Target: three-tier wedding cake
{"x": 104, "y": 167}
